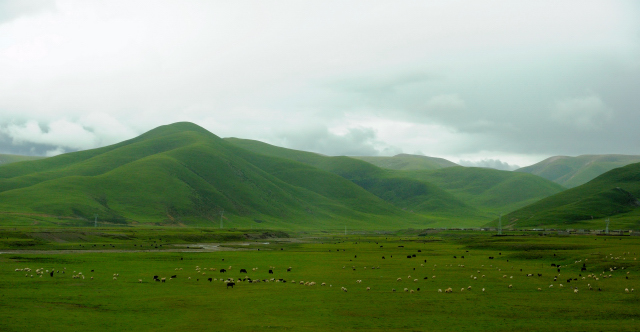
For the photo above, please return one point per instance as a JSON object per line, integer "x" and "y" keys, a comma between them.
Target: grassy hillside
{"x": 458, "y": 192}
{"x": 489, "y": 189}
{"x": 12, "y": 158}
{"x": 613, "y": 194}
{"x": 413, "y": 195}
{"x": 574, "y": 171}
{"x": 408, "y": 162}
{"x": 183, "y": 174}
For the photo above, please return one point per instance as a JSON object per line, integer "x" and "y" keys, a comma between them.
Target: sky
{"x": 481, "y": 83}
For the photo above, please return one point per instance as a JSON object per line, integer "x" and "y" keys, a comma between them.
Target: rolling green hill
{"x": 613, "y": 194}
{"x": 458, "y": 192}
{"x": 573, "y": 171}
{"x": 408, "y": 162}
{"x": 413, "y": 195}
{"x": 12, "y": 158}
{"x": 489, "y": 189}
{"x": 182, "y": 174}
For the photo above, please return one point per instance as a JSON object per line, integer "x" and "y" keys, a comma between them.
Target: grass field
{"x": 190, "y": 302}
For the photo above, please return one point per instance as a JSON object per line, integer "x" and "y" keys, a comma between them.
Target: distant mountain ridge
{"x": 408, "y": 162}
{"x": 182, "y": 174}
{"x": 13, "y": 158}
{"x": 574, "y": 171}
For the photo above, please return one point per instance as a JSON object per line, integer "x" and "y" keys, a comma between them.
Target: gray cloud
{"x": 354, "y": 142}
{"x": 13, "y": 9}
{"x": 462, "y": 80}
{"x": 489, "y": 163}
{"x": 61, "y": 135}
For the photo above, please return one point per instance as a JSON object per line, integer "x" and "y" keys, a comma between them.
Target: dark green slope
{"x": 412, "y": 195}
{"x": 573, "y": 171}
{"x": 181, "y": 173}
{"x": 489, "y": 189}
{"x": 408, "y": 162}
{"x": 614, "y": 193}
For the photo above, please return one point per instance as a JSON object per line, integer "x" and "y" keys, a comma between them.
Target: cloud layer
{"x": 487, "y": 82}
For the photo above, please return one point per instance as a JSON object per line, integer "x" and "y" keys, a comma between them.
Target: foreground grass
{"x": 189, "y": 301}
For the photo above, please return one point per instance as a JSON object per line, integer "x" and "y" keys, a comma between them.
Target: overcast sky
{"x": 494, "y": 83}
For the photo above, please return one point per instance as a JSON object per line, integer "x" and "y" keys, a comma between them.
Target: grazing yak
{"x": 230, "y": 284}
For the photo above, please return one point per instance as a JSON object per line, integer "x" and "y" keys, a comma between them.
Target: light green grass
{"x": 63, "y": 303}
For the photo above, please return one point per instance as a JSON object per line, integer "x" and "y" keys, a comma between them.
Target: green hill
{"x": 413, "y": 195}
{"x": 488, "y": 189}
{"x": 408, "y": 162}
{"x": 182, "y": 174}
{"x": 12, "y": 158}
{"x": 574, "y": 171}
{"x": 461, "y": 193}
{"x": 613, "y": 194}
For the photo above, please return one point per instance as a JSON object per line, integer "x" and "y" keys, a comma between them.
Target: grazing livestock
{"x": 210, "y": 279}
{"x": 223, "y": 270}
{"x": 243, "y": 271}
{"x": 230, "y": 284}
{"x": 270, "y": 271}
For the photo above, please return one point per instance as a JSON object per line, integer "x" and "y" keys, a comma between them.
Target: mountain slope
{"x": 614, "y": 193}
{"x": 457, "y": 192}
{"x": 412, "y": 195}
{"x": 574, "y": 171}
{"x": 181, "y": 173}
{"x": 489, "y": 189}
{"x": 408, "y": 162}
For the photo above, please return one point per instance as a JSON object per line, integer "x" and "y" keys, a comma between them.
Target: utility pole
{"x": 221, "y": 216}
{"x": 500, "y": 224}
{"x": 606, "y": 231}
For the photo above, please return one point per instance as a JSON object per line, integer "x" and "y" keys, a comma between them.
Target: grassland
{"x": 190, "y": 302}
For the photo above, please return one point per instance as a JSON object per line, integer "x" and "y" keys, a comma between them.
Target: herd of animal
{"x": 516, "y": 278}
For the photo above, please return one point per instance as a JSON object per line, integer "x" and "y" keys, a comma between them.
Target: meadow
{"x": 487, "y": 294}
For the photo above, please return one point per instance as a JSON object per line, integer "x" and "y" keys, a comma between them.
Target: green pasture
{"x": 190, "y": 302}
